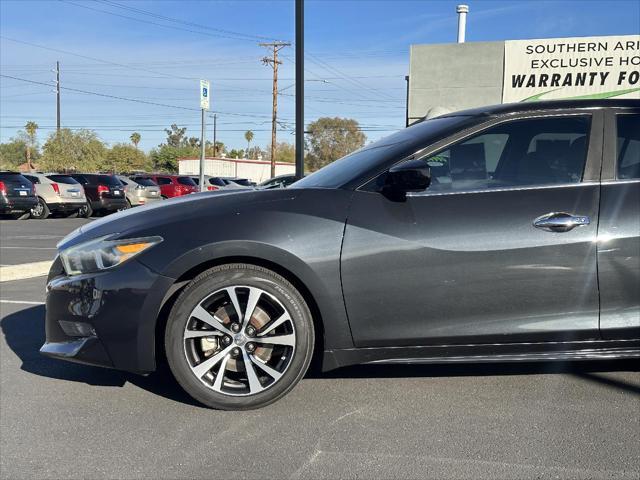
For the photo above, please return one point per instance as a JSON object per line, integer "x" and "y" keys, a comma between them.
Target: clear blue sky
{"x": 155, "y": 51}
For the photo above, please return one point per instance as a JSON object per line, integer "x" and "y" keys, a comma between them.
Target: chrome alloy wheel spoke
{"x": 289, "y": 340}
{"x": 233, "y": 356}
{"x": 203, "y": 367}
{"x": 201, "y": 314}
{"x": 252, "y": 377}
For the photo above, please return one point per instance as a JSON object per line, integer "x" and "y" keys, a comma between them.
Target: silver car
{"x": 57, "y": 193}
{"x": 140, "y": 190}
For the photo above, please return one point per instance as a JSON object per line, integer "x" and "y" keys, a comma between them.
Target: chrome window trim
{"x": 503, "y": 189}
{"x": 621, "y": 181}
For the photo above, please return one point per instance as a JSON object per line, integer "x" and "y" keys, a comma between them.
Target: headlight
{"x": 102, "y": 254}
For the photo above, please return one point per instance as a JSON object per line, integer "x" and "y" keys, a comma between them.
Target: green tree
{"x": 256, "y": 153}
{"x": 12, "y": 153}
{"x": 135, "y": 139}
{"x": 330, "y": 139}
{"x": 285, "y": 152}
{"x": 31, "y": 128}
{"x": 236, "y": 153}
{"x": 175, "y": 135}
{"x": 73, "y": 151}
{"x": 123, "y": 158}
{"x": 248, "y": 136}
{"x": 164, "y": 158}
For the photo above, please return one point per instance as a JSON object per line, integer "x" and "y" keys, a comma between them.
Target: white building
{"x": 254, "y": 170}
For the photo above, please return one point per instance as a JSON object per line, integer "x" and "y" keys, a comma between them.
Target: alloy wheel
{"x": 38, "y": 210}
{"x": 239, "y": 340}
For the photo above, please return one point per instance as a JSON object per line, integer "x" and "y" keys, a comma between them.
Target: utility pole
{"x": 274, "y": 62}
{"x": 299, "y": 88}
{"x": 58, "y": 97}
{"x": 215, "y": 126}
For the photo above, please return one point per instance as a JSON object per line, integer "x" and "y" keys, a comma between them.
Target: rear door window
{"x": 628, "y": 146}
{"x": 164, "y": 181}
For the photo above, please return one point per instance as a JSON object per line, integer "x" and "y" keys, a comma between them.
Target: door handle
{"x": 560, "y": 222}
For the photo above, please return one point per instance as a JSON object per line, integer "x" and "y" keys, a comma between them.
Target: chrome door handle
{"x": 560, "y": 222}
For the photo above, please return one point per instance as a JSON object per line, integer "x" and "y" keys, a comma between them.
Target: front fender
{"x": 320, "y": 278}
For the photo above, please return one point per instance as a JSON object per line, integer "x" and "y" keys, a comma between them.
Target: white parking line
{"x": 21, "y": 302}
{"x": 29, "y": 248}
{"x": 24, "y": 271}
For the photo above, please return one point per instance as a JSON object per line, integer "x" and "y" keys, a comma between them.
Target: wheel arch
{"x": 289, "y": 274}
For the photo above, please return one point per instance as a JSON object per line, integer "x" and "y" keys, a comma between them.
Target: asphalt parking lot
{"x": 61, "y": 420}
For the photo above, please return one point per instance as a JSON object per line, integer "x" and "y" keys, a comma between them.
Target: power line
{"x": 86, "y": 92}
{"x": 251, "y": 37}
{"x": 149, "y": 22}
{"x": 66, "y": 52}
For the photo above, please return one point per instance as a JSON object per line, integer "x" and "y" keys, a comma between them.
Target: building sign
{"x": 572, "y": 68}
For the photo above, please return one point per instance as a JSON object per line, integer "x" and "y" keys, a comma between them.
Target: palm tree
{"x": 135, "y": 139}
{"x": 31, "y": 128}
{"x": 248, "y": 136}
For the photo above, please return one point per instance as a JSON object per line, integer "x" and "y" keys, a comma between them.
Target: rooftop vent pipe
{"x": 462, "y": 11}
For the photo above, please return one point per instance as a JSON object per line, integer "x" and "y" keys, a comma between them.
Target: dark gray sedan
{"x": 509, "y": 233}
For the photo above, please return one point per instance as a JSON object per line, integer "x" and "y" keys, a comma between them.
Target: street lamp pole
{"x": 299, "y": 88}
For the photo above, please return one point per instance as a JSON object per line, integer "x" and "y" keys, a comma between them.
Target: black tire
{"x": 239, "y": 275}
{"x": 128, "y": 205}
{"x": 41, "y": 210}
{"x": 86, "y": 211}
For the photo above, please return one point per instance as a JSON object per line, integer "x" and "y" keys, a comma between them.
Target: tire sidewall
{"x": 239, "y": 275}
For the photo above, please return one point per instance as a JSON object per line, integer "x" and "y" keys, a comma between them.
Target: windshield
{"x": 384, "y": 152}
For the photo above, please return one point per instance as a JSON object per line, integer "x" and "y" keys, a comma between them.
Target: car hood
{"x": 142, "y": 221}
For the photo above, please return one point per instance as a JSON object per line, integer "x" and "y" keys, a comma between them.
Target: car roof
{"x": 544, "y": 105}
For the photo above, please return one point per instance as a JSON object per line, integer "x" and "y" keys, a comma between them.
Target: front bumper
{"x": 119, "y": 308}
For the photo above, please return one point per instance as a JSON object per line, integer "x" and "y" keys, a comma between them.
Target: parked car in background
{"x": 243, "y": 182}
{"x": 281, "y": 181}
{"x": 173, "y": 185}
{"x": 57, "y": 193}
{"x": 17, "y": 195}
{"x": 218, "y": 183}
{"x": 212, "y": 183}
{"x": 104, "y": 192}
{"x": 140, "y": 190}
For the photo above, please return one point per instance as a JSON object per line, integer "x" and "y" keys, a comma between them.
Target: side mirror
{"x": 410, "y": 176}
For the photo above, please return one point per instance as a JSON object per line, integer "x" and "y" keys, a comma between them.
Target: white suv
{"x": 57, "y": 193}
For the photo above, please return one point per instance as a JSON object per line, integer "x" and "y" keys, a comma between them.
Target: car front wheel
{"x": 239, "y": 337}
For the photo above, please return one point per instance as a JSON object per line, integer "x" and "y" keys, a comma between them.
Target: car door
{"x": 619, "y": 227}
{"x": 463, "y": 262}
